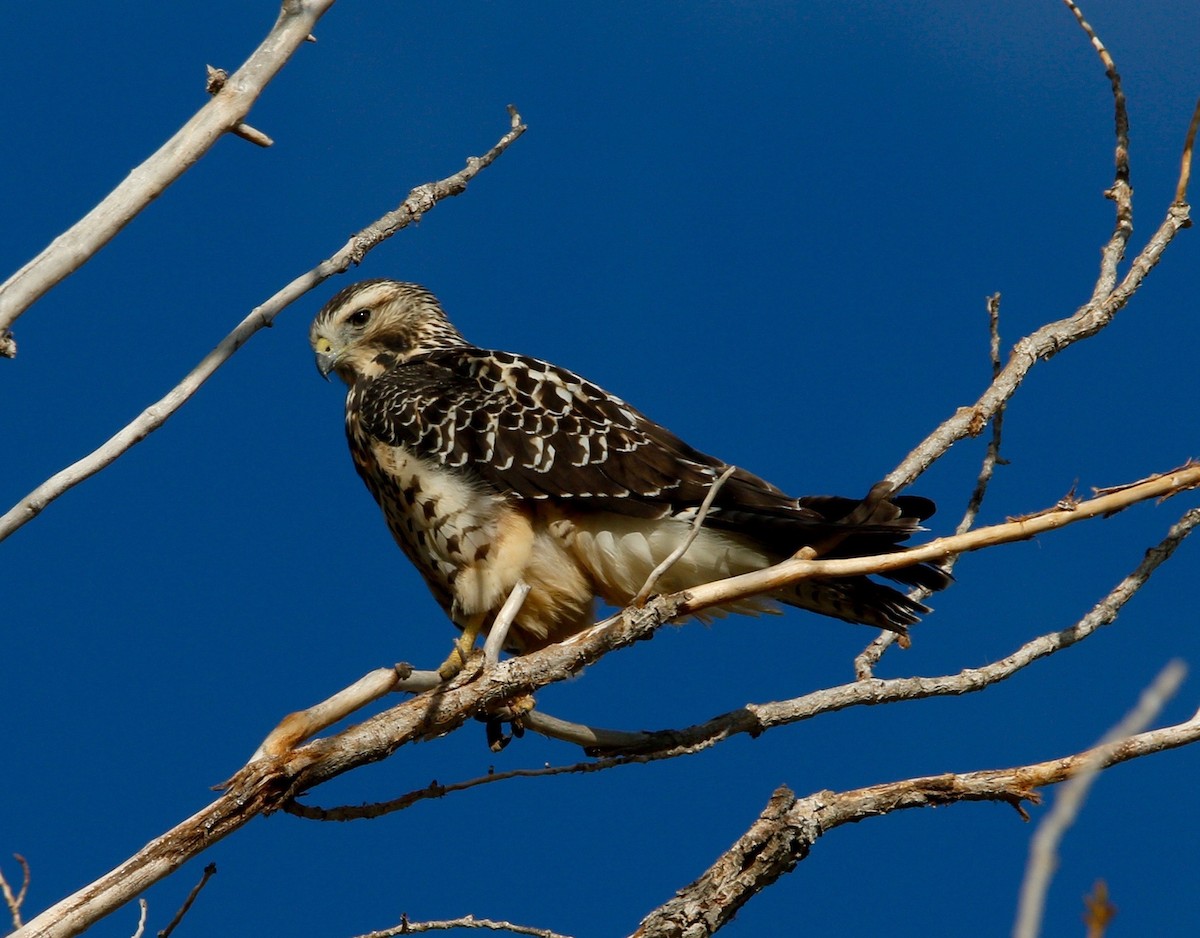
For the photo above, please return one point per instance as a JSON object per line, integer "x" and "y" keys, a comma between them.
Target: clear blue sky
{"x": 772, "y": 227}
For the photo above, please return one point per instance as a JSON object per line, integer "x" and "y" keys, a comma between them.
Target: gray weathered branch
{"x": 269, "y": 783}
{"x": 789, "y": 827}
{"x": 225, "y": 111}
{"x": 419, "y": 200}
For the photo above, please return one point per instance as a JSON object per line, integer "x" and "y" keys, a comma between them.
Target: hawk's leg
{"x": 462, "y": 648}
{"x": 496, "y": 638}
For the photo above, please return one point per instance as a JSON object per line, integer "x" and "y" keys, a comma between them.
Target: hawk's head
{"x": 371, "y": 326}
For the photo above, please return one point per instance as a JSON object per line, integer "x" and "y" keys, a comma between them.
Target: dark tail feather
{"x": 877, "y": 525}
{"x": 836, "y": 527}
{"x": 857, "y": 599}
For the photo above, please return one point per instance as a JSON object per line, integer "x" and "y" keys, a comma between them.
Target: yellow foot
{"x": 453, "y": 664}
{"x": 461, "y": 654}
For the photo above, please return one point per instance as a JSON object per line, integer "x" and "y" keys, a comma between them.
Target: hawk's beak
{"x": 325, "y": 357}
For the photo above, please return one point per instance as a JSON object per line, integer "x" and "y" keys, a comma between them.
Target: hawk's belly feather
{"x": 472, "y": 545}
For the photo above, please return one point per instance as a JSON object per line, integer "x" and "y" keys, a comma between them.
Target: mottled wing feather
{"x": 540, "y": 431}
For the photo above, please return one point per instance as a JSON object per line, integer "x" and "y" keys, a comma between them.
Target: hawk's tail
{"x": 837, "y": 527}
{"x": 875, "y": 525}
{"x": 856, "y": 599}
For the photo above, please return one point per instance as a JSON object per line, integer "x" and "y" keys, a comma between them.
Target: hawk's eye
{"x": 360, "y": 317}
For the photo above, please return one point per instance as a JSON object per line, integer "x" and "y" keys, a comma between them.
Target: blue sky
{"x": 770, "y": 226}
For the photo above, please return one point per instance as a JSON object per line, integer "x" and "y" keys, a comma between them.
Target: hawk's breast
{"x": 472, "y": 544}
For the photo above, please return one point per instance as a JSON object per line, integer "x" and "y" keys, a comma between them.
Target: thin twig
{"x": 435, "y": 790}
{"x": 790, "y": 571}
{"x": 869, "y": 657}
{"x": 141, "y": 926}
{"x": 672, "y": 558}
{"x": 227, "y": 109}
{"x": 14, "y": 902}
{"x": 991, "y": 458}
{"x": 209, "y": 872}
{"x": 214, "y": 83}
{"x": 419, "y": 201}
{"x": 1043, "y": 848}
{"x": 1121, "y": 192}
{"x": 1185, "y": 163}
{"x": 1098, "y": 910}
{"x": 498, "y": 633}
{"x": 590, "y": 738}
{"x": 301, "y": 725}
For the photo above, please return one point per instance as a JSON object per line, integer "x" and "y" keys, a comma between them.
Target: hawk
{"x": 493, "y": 468}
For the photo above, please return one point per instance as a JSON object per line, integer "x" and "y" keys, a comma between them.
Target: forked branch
{"x": 1109, "y": 296}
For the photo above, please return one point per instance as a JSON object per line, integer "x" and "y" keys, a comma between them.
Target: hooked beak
{"x": 325, "y": 357}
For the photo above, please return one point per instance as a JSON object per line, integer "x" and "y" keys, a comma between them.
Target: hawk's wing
{"x": 542, "y": 432}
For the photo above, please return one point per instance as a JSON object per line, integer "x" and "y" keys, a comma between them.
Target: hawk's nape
{"x": 493, "y": 468}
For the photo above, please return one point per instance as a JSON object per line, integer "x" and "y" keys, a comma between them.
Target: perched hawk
{"x": 492, "y": 468}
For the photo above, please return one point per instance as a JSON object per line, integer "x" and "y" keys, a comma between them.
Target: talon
{"x": 512, "y": 713}
{"x": 496, "y": 737}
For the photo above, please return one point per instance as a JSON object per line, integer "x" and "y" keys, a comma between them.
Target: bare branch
{"x": 1185, "y": 163}
{"x": 1108, "y": 298}
{"x": 467, "y": 921}
{"x": 420, "y": 200}
{"x": 1121, "y": 193}
{"x": 435, "y": 790}
{"x": 992, "y": 457}
{"x": 302, "y": 725}
{"x": 227, "y": 109}
{"x": 267, "y": 784}
{"x": 141, "y": 926}
{"x": 789, "y": 827}
{"x": 503, "y": 622}
{"x": 1043, "y": 849}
